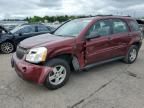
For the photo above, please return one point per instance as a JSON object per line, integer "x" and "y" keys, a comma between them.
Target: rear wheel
{"x": 60, "y": 74}
{"x": 7, "y": 47}
{"x": 132, "y": 54}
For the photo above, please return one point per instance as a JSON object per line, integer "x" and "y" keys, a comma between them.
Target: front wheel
{"x": 132, "y": 54}
{"x": 7, "y": 47}
{"x": 60, "y": 74}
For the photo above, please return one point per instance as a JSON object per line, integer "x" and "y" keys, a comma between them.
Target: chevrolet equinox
{"x": 77, "y": 45}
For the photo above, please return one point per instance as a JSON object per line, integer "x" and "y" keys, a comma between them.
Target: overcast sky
{"x": 24, "y": 8}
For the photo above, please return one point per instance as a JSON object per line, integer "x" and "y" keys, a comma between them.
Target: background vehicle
{"x": 142, "y": 28}
{"x": 50, "y": 26}
{"x": 78, "y": 44}
{"x": 9, "y": 40}
{"x": 9, "y": 26}
{"x": 141, "y": 25}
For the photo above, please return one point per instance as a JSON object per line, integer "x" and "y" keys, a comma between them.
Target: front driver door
{"x": 98, "y": 44}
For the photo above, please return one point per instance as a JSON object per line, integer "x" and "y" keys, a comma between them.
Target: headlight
{"x": 37, "y": 55}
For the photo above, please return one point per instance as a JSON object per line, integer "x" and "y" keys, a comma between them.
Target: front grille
{"x": 20, "y": 52}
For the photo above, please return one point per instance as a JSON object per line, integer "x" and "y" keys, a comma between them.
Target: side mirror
{"x": 93, "y": 35}
{"x": 20, "y": 34}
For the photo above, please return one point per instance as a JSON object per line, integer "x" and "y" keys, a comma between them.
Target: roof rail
{"x": 104, "y": 15}
{"x": 112, "y": 15}
{"x": 126, "y": 16}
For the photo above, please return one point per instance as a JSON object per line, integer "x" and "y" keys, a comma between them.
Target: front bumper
{"x": 28, "y": 71}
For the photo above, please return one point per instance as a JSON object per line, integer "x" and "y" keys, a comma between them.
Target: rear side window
{"x": 42, "y": 28}
{"x": 119, "y": 26}
{"x": 134, "y": 26}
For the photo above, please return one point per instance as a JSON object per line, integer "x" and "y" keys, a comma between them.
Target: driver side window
{"x": 100, "y": 28}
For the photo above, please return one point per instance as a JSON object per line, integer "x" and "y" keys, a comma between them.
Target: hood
{"x": 45, "y": 40}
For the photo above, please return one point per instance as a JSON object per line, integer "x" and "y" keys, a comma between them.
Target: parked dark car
{"x": 78, "y": 44}
{"x": 10, "y": 39}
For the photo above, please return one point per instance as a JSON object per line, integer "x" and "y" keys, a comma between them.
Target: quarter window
{"x": 42, "y": 28}
{"x": 119, "y": 26}
{"x": 134, "y": 26}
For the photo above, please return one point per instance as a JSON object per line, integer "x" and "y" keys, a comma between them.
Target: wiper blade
{"x": 65, "y": 35}
{"x": 60, "y": 35}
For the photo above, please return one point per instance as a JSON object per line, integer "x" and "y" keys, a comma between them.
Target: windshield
{"x": 72, "y": 28}
{"x": 16, "y": 29}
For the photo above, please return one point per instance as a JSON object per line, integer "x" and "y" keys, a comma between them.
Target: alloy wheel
{"x": 58, "y": 75}
{"x": 7, "y": 47}
{"x": 133, "y": 55}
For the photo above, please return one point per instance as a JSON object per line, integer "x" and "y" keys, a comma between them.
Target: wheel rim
{"x": 57, "y": 76}
{"x": 7, "y": 47}
{"x": 133, "y": 55}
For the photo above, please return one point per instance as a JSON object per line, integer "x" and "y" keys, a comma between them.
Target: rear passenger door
{"x": 120, "y": 37}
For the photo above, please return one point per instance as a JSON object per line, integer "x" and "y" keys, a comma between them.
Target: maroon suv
{"x": 78, "y": 44}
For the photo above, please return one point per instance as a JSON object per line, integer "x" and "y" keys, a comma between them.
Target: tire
{"x": 7, "y": 47}
{"x": 60, "y": 74}
{"x": 131, "y": 55}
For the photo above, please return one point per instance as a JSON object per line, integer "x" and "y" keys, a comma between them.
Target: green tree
{"x": 52, "y": 18}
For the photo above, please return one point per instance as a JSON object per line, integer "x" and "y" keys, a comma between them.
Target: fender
{"x": 76, "y": 61}
{"x": 60, "y": 51}
{"x": 135, "y": 40}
